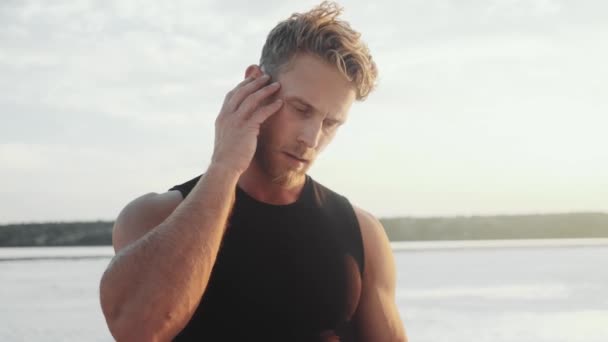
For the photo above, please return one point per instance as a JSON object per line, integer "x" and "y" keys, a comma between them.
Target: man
{"x": 254, "y": 249}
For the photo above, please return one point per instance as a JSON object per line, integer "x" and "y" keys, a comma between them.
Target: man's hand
{"x": 237, "y": 126}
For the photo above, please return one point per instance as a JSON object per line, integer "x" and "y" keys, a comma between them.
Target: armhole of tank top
{"x": 356, "y": 239}
{"x": 178, "y": 188}
{"x": 186, "y": 187}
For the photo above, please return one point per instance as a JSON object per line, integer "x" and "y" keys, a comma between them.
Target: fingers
{"x": 244, "y": 89}
{"x": 264, "y": 112}
{"x": 255, "y": 100}
{"x": 231, "y": 93}
{"x": 245, "y": 81}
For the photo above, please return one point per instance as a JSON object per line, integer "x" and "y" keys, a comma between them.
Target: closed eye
{"x": 301, "y": 109}
{"x": 331, "y": 123}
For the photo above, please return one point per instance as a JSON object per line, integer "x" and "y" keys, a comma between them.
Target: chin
{"x": 279, "y": 171}
{"x": 290, "y": 179}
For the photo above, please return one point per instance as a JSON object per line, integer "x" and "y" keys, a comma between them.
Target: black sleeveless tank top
{"x": 283, "y": 272}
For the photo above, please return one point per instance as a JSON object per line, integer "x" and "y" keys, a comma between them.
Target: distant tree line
{"x": 96, "y": 233}
{"x": 574, "y": 225}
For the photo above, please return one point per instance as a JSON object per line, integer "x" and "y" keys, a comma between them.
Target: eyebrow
{"x": 306, "y": 103}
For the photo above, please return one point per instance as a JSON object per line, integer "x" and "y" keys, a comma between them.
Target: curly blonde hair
{"x": 321, "y": 33}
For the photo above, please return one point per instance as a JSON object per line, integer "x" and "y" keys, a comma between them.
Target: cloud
{"x": 120, "y": 59}
{"x": 93, "y": 85}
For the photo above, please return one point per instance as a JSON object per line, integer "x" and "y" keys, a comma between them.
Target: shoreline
{"x": 489, "y": 244}
{"x": 102, "y": 252}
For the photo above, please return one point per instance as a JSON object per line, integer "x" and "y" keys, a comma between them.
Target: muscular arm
{"x": 377, "y": 316}
{"x": 153, "y": 285}
{"x": 165, "y": 254}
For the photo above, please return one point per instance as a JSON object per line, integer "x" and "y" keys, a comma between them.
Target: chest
{"x": 293, "y": 268}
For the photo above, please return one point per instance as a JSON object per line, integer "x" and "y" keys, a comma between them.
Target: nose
{"x": 311, "y": 133}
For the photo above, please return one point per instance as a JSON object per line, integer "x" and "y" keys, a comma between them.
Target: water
{"x": 453, "y": 291}
{"x": 532, "y": 294}
{"x": 52, "y": 300}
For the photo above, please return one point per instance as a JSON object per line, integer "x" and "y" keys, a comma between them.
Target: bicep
{"x": 377, "y": 315}
{"x": 141, "y": 215}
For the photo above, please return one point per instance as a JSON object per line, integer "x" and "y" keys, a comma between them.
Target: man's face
{"x": 316, "y": 100}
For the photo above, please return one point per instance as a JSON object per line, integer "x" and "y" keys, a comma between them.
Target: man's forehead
{"x": 311, "y": 81}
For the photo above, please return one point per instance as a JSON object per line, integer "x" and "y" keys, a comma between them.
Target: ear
{"x": 253, "y": 71}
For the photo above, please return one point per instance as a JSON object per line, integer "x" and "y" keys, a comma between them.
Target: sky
{"x": 482, "y": 107}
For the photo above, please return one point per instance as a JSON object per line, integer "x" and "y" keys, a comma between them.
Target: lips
{"x": 298, "y": 158}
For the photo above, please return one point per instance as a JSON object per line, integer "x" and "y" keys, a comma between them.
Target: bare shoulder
{"x": 375, "y": 241}
{"x": 377, "y": 317}
{"x": 141, "y": 215}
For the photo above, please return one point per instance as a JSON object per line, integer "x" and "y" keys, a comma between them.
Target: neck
{"x": 259, "y": 185}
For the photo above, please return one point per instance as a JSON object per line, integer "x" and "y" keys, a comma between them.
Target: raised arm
{"x": 165, "y": 249}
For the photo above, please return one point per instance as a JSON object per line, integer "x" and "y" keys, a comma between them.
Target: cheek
{"x": 273, "y": 130}
{"x": 324, "y": 141}
{"x": 273, "y": 121}
{"x": 280, "y": 122}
